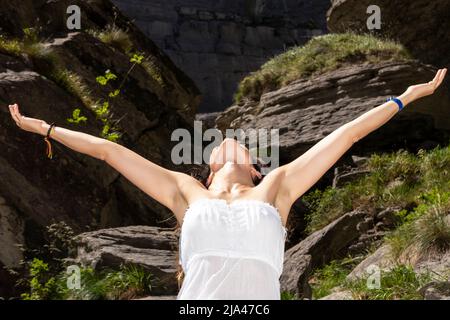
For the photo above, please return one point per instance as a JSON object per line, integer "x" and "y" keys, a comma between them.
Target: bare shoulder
{"x": 189, "y": 187}
{"x": 271, "y": 187}
{"x": 273, "y": 179}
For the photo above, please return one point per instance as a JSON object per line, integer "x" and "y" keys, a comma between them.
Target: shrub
{"x": 42, "y": 284}
{"x": 126, "y": 283}
{"x": 400, "y": 283}
{"x": 426, "y": 231}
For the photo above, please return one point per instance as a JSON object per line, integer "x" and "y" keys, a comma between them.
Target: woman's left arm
{"x": 302, "y": 173}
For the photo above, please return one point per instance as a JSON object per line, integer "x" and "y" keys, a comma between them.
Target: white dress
{"x": 231, "y": 250}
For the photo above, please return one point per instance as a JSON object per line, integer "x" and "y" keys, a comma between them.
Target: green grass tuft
{"x": 400, "y": 283}
{"x": 115, "y": 37}
{"x": 321, "y": 54}
{"x": 426, "y": 231}
{"x": 396, "y": 179}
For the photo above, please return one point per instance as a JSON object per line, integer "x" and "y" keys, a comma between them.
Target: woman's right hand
{"x": 26, "y": 123}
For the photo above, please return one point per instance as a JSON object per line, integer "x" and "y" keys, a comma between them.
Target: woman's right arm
{"x": 165, "y": 186}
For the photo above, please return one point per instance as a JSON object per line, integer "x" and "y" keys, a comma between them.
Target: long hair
{"x": 201, "y": 173}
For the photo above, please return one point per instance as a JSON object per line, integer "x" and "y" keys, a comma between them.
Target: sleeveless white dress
{"x": 231, "y": 250}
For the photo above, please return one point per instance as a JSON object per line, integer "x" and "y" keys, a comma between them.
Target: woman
{"x": 233, "y": 228}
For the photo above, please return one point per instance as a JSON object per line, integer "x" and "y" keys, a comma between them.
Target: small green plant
{"x": 285, "y": 295}
{"x": 102, "y": 110}
{"x": 128, "y": 282}
{"x": 30, "y": 44}
{"x": 103, "y": 80}
{"x": 331, "y": 276}
{"x": 31, "y": 35}
{"x": 76, "y": 117}
{"x": 42, "y": 284}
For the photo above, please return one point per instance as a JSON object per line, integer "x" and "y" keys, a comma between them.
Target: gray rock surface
{"x": 219, "y": 42}
{"x": 152, "y": 248}
{"x": 436, "y": 290}
{"x": 338, "y": 295}
{"x": 316, "y": 250}
{"x": 307, "y": 110}
{"x": 381, "y": 258}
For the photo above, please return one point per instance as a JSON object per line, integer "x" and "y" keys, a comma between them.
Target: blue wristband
{"x": 398, "y": 101}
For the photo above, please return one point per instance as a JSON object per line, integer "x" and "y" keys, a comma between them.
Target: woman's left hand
{"x": 425, "y": 89}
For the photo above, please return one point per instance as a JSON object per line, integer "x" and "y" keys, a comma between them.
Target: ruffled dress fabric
{"x": 231, "y": 251}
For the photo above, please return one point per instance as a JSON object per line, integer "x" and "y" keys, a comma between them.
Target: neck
{"x": 231, "y": 180}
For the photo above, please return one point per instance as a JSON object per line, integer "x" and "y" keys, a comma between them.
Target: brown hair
{"x": 201, "y": 173}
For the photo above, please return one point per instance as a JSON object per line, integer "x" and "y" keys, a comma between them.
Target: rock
{"x": 217, "y": 43}
{"x": 359, "y": 161}
{"x": 159, "y": 298}
{"x": 418, "y": 20}
{"x": 296, "y": 223}
{"x": 208, "y": 119}
{"x": 339, "y": 295}
{"x": 389, "y": 217}
{"x": 82, "y": 191}
{"x": 363, "y": 226}
{"x": 296, "y": 272}
{"x": 343, "y": 178}
{"x": 436, "y": 291}
{"x": 152, "y": 248}
{"x": 437, "y": 264}
{"x": 7, "y": 283}
{"x": 316, "y": 250}
{"x": 11, "y": 235}
{"x": 381, "y": 258}
{"x": 309, "y": 117}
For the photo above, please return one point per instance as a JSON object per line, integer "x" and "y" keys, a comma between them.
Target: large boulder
{"x": 306, "y": 110}
{"x": 152, "y": 248}
{"x": 316, "y": 250}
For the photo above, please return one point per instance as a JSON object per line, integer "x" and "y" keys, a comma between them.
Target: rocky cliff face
{"x": 304, "y": 117}
{"x": 217, "y": 43}
{"x": 82, "y": 191}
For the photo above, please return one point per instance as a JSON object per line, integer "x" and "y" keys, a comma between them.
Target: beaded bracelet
{"x": 47, "y": 140}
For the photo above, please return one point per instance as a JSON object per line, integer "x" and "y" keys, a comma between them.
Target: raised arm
{"x": 302, "y": 173}
{"x": 163, "y": 185}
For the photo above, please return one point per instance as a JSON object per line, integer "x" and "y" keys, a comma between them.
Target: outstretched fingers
{"x": 436, "y": 76}
{"x": 441, "y": 77}
{"x": 14, "y": 110}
